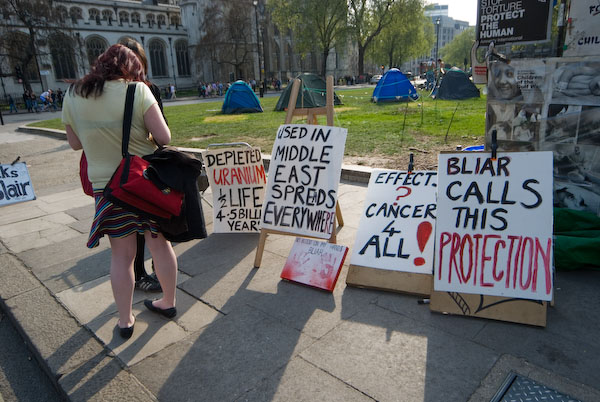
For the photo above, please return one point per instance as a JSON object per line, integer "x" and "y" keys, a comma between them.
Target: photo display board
{"x": 237, "y": 178}
{"x": 304, "y": 174}
{"x": 494, "y": 224}
{"x": 553, "y": 105}
{"x": 396, "y": 228}
{"x": 15, "y": 184}
{"x": 315, "y": 263}
{"x": 513, "y": 21}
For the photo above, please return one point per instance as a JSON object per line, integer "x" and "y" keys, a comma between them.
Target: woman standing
{"x": 93, "y": 111}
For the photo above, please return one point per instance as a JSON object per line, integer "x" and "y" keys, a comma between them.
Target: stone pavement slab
{"x": 391, "y": 357}
{"x": 227, "y": 289}
{"x": 16, "y": 279}
{"x": 301, "y": 381}
{"x": 314, "y": 312}
{"x": 222, "y": 361}
{"x": 94, "y": 299}
{"x": 21, "y": 377}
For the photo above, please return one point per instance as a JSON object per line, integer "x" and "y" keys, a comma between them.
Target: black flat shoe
{"x": 126, "y": 332}
{"x": 166, "y": 312}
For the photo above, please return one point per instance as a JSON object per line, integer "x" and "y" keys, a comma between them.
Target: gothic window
{"x": 183, "y": 59}
{"x": 94, "y": 14}
{"x": 107, "y": 15}
{"x": 76, "y": 14}
{"x": 135, "y": 18}
{"x": 158, "y": 59}
{"x": 61, "y": 13}
{"x": 150, "y": 20}
{"x": 63, "y": 56}
{"x": 123, "y": 17}
{"x": 162, "y": 20}
{"x": 175, "y": 20}
{"x": 95, "y": 47}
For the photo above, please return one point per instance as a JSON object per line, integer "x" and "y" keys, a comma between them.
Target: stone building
{"x": 170, "y": 31}
{"x": 89, "y": 28}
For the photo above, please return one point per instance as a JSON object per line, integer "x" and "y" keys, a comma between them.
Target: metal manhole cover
{"x": 517, "y": 388}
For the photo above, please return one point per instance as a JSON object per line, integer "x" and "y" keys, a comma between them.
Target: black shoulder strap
{"x": 127, "y": 118}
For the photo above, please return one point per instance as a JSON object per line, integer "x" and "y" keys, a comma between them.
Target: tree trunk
{"x": 324, "y": 63}
{"x": 361, "y": 60}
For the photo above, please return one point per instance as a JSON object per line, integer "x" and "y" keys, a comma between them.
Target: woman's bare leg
{"x": 165, "y": 264}
{"x": 121, "y": 276}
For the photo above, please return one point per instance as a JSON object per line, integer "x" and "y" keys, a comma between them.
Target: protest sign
{"x": 314, "y": 263}
{"x": 494, "y": 225}
{"x": 303, "y": 179}
{"x": 396, "y": 228}
{"x": 513, "y": 21}
{"x": 583, "y": 30}
{"x": 237, "y": 178}
{"x": 15, "y": 184}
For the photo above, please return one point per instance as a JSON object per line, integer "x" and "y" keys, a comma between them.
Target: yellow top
{"x": 98, "y": 123}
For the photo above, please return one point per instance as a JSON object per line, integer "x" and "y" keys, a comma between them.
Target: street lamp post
{"x": 172, "y": 62}
{"x": 255, "y": 3}
{"x": 437, "y": 38}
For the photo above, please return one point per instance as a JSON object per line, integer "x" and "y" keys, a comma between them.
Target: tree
{"x": 459, "y": 49}
{"x": 39, "y": 18}
{"x": 228, "y": 34}
{"x": 315, "y": 23}
{"x": 409, "y": 35}
{"x": 368, "y": 18}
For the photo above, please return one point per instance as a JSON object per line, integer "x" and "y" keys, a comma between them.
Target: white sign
{"x": 304, "y": 174}
{"x": 583, "y": 29}
{"x": 237, "y": 178}
{"x": 15, "y": 184}
{"x": 396, "y": 228}
{"x": 494, "y": 224}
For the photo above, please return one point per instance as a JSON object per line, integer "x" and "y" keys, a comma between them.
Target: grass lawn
{"x": 374, "y": 130}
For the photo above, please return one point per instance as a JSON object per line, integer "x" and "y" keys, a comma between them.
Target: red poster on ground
{"x": 314, "y": 263}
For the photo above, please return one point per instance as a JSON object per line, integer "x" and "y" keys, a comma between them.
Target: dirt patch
{"x": 425, "y": 157}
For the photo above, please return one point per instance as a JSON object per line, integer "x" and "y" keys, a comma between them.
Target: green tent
{"x": 312, "y": 93}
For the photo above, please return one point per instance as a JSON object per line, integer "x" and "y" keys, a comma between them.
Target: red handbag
{"x": 86, "y": 184}
{"x": 130, "y": 186}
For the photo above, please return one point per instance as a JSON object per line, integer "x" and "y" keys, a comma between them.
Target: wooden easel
{"x": 311, "y": 118}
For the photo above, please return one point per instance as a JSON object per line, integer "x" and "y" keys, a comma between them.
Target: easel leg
{"x": 260, "y": 248}
{"x": 338, "y": 213}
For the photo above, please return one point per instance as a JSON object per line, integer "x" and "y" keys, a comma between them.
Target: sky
{"x": 464, "y": 10}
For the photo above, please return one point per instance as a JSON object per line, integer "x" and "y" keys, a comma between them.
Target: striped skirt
{"x": 117, "y": 222}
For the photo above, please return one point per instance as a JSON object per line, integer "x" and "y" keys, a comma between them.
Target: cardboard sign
{"x": 303, "y": 180}
{"x": 513, "y": 21}
{"x": 494, "y": 225}
{"x": 237, "y": 178}
{"x": 396, "y": 228}
{"x": 583, "y": 29}
{"x": 314, "y": 263}
{"x": 15, "y": 184}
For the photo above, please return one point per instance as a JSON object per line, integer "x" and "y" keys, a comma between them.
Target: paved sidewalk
{"x": 242, "y": 334}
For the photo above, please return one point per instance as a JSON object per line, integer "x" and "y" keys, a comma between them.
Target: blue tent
{"x": 394, "y": 87}
{"x": 240, "y": 98}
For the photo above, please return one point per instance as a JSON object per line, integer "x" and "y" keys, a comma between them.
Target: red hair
{"x": 117, "y": 62}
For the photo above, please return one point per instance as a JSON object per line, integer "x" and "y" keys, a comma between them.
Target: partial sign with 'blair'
{"x": 494, "y": 224}
{"x": 314, "y": 263}
{"x": 15, "y": 184}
